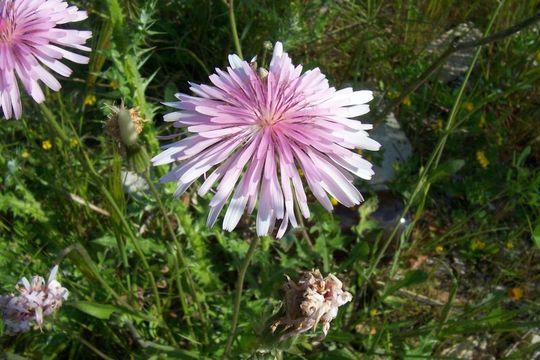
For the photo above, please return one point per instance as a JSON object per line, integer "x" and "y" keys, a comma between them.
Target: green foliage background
{"x": 141, "y": 289}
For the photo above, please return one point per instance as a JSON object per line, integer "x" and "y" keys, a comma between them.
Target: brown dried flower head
{"x": 311, "y": 300}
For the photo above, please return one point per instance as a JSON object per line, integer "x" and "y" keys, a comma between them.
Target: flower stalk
{"x": 238, "y": 294}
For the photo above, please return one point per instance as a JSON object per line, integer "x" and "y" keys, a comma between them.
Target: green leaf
{"x": 100, "y": 311}
{"x": 411, "y": 278}
{"x": 523, "y": 156}
{"x": 104, "y": 311}
{"x": 359, "y": 252}
{"x": 446, "y": 169}
{"x": 536, "y": 235}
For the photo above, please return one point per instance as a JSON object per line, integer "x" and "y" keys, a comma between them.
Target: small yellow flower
{"x": 438, "y": 125}
{"x": 509, "y": 245}
{"x": 482, "y": 159}
{"x": 90, "y": 99}
{"x": 515, "y": 293}
{"x": 113, "y": 84}
{"x": 478, "y": 244}
{"x": 406, "y": 101}
{"x": 46, "y": 145}
{"x": 482, "y": 122}
{"x": 373, "y": 312}
{"x": 25, "y": 154}
{"x": 500, "y": 139}
{"x": 333, "y": 200}
{"x": 439, "y": 249}
{"x": 469, "y": 106}
{"x": 392, "y": 94}
{"x": 74, "y": 142}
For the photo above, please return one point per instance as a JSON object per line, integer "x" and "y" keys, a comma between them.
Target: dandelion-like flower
{"x": 31, "y": 41}
{"x": 311, "y": 300}
{"x": 259, "y": 130}
{"x": 36, "y": 300}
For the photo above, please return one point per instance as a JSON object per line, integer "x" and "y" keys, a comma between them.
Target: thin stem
{"x": 238, "y": 294}
{"x": 137, "y": 247}
{"x": 179, "y": 257}
{"x": 234, "y": 31}
{"x": 303, "y": 229}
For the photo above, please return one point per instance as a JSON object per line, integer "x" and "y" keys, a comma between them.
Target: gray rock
{"x": 457, "y": 63}
{"x": 396, "y": 149}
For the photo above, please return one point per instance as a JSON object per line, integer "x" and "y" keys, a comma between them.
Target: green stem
{"x": 234, "y": 31}
{"x": 179, "y": 257}
{"x": 238, "y": 294}
{"x": 137, "y": 247}
{"x": 303, "y": 228}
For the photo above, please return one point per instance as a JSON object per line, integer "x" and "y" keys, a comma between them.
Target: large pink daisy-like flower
{"x": 30, "y": 39}
{"x": 259, "y": 130}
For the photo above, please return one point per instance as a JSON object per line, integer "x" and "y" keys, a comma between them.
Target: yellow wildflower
{"x": 509, "y": 245}
{"x": 482, "y": 159}
{"x": 515, "y": 293}
{"x": 90, "y": 99}
{"x": 46, "y": 145}
{"x": 373, "y": 312}
{"x": 500, "y": 139}
{"x": 25, "y": 154}
{"x": 438, "y": 125}
{"x": 482, "y": 121}
{"x": 469, "y": 106}
{"x": 439, "y": 249}
{"x": 478, "y": 244}
{"x": 406, "y": 101}
{"x": 392, "y": 94}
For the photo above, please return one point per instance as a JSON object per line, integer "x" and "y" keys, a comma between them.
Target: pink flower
{"x": 30, "y": 39}
{"x": 36, "y": 300}
{"x": 256, "y": 129}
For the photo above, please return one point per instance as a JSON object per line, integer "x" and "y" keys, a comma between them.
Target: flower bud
{"x": 124, "y": 126}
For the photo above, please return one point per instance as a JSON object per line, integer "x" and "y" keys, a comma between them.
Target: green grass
{"x": 149, "y": 280}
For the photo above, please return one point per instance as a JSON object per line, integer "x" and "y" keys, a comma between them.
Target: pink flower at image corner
{"x": 257, "y": 129}
{"x": 31, "y": 41}
{"x": 36, "y": 300}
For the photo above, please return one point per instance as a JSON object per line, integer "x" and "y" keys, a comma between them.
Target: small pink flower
{"x": 29, "y": 41}
{"x": 36, "y": 300}
{"x": 257, "y": 129}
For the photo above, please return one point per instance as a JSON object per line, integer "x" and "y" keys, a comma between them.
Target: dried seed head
{"x": 311, "y": 300}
